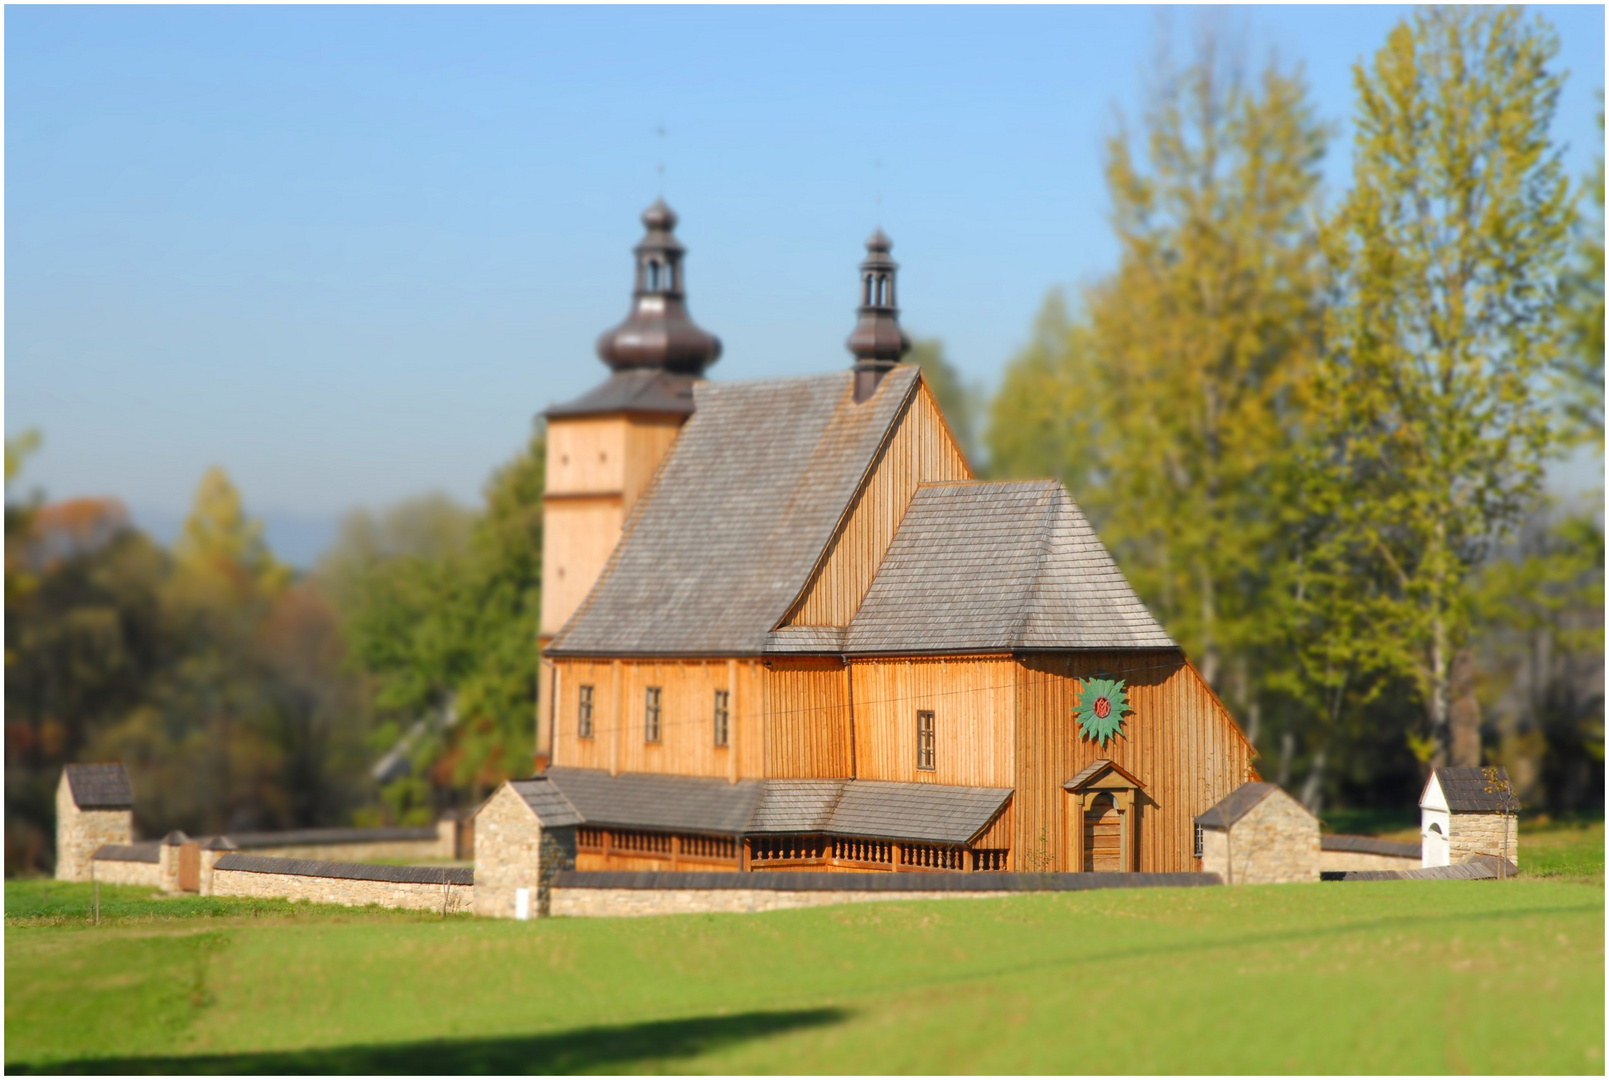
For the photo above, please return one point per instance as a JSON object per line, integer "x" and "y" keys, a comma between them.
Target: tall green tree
{"x": 1582, "y": 362}
{"x": 441, "y": 605}
{"x": 1171, "y": 404}
{"x": 1040, "y": 419}
{"x": 1446, "y": 257}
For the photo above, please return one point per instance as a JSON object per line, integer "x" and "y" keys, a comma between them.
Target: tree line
{"x": 1313, "y": 436}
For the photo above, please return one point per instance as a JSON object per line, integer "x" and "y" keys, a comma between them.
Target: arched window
{"x": 866, "y": 301}
{"x": 653, "y": 276}
{"x": 1435, "y": 827}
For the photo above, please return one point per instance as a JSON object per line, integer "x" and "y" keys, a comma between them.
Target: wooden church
{"x": 785, "y": 627}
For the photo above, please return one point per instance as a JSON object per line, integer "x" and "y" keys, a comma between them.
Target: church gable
{"x": 921, "y": 450}
{"x": 744, "y": 505}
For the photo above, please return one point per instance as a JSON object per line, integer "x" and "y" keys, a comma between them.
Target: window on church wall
{"x": 651, "y": 715}
{"x": 723, "y": 700}
{"x": 1200, "y": 848}
{"x": 924, "y": 740}
{"x": 583, "y": 717}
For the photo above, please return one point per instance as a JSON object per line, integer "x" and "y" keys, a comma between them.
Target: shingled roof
{"x": 743, "y": 505}
{"x": 1474, "y": 790}
{"x": 638, "y": 390}
{"x": 1236, "y": 805}
{"x": 697, "y": 804}
{"x": 885, "y": 810}
{"x": 999, "y": 566}
{"x": 100, "y": 786}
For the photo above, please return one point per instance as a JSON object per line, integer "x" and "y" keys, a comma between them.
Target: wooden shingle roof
{"x": 1236, "y": 805}
{"x": 100, "y": 786}
{"x": 994, "y": 566}
{"x": 886, "y": 810}
{"x": 1474, "y": 790}
{"x": 695, "y": 804}
{"x": 728, "y": 534}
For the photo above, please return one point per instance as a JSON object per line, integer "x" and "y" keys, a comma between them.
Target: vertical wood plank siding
{"x": 973, "y": 700}
{"x": 922, "y": 450}
{"x": 807, "y": 718}
{"x": 686, "y": 744}
{"x": 1179, "y": 741}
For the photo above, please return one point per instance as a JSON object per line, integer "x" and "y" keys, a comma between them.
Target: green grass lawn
{"x": 1343, "y": 977}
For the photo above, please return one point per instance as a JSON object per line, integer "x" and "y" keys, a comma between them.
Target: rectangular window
{"x": 651, "y": 715}
{"x": 1200, "y": 849}
{"x": 722, "y": 716}
{"x": 924, "y": 740}
{"x": 583, "y": 719}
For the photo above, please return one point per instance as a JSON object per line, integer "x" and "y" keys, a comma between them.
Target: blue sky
{"x": 347, "y": 253}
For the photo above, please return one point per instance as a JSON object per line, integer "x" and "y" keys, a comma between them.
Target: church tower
{"x": 603, "y": 447}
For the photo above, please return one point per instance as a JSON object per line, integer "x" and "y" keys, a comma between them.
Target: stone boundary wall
{"x": 1480, "y": 868}
{"x": 417, "y": 888}
{"x": 1342, "y": 853}
{"x": 624, "y": 893}
{"x": 128, "y": 864}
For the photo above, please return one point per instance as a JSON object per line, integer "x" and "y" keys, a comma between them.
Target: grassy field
{"x": 1346, "y": 977}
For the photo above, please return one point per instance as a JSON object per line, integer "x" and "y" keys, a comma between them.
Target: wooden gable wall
{"x": 920, "y": 450}
{"x": 1179, "y": 741}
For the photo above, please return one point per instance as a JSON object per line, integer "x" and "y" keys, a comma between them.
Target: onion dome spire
{"x": 658, "y": 333}
{"x": 877, "y": 341}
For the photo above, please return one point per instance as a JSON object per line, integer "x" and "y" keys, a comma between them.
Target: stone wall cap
{"x": 903, "y": 881}
{"x": 142, "y": 853}
{"x": 175, "y": 838}
{"x": 404, "y": 875}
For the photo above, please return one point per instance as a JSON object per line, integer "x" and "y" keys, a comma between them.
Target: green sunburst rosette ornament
{"x": 1100, "y": 709}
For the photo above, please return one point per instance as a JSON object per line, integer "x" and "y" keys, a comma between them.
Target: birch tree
{"x": 1446, "y": 255}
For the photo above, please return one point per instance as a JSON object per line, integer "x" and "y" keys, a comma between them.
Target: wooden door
{"x": 189, "y": 867}
{"x": 1103, "y": 836}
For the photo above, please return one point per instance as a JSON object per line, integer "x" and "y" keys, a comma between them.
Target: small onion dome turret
{"x": 877, "y": 341}
{"x": 659, "y": 333}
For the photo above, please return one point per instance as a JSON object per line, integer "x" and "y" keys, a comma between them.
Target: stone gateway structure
{"x": 524, "y": 834}
{"x": 1465, "y": 812}
{"x": 1259, "y": 836}
{"x": 94, "y": 807}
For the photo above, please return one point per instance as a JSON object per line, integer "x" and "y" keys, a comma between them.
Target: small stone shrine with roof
{"x": 785, "y": 626}
{"x": 1465, "y": 812}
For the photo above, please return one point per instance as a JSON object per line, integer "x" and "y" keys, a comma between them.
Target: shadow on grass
{"x": 596, "y": 1049}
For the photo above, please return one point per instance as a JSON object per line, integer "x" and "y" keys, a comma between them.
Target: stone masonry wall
{"x": 605, "y": 903}
{"x": 119, "y": 872}
{"x": 512, "y": 852}
{"x": 1482, "y": 834}
{"x": 1338, "y": 861}
{"x": 324, "y": 890}
{"x": 80, "y": 833}
{"x": 1276, "y": 842}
